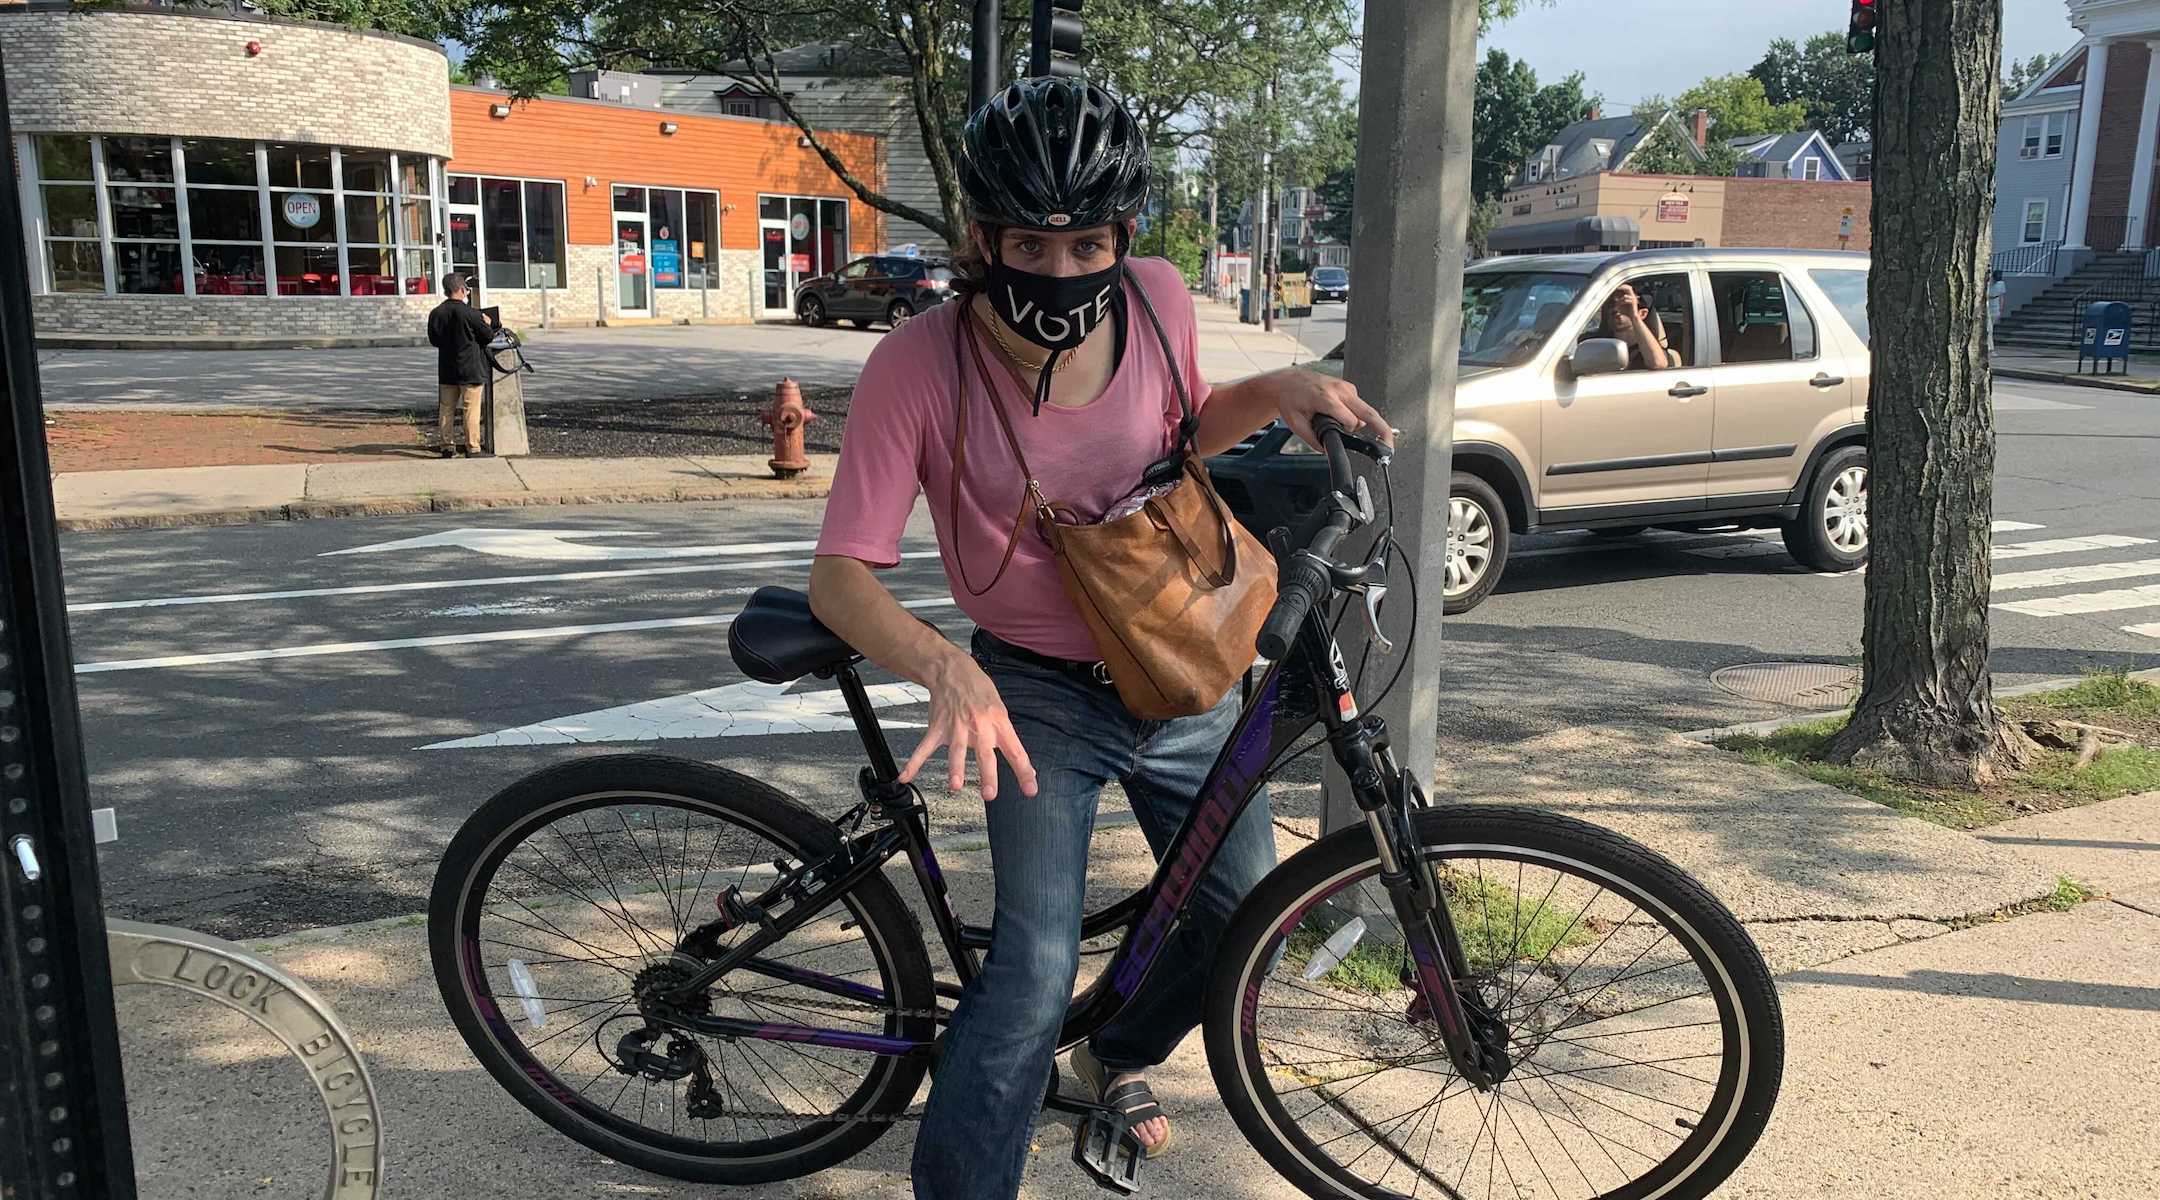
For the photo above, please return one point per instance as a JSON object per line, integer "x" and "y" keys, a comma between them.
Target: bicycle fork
{"x": 1475, "y": 1036}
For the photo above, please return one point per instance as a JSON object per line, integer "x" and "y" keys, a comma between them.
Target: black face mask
{"x": 1056, "y": 313}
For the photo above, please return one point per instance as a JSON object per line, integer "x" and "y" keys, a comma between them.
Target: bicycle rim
{"x": 1631, "y": 1051}
{"x": 546, "y": 893}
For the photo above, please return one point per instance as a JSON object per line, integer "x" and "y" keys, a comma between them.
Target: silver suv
{"x": 1670, "y": 388}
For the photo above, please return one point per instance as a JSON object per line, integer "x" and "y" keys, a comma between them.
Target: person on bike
{"x": 1054, "y": 174}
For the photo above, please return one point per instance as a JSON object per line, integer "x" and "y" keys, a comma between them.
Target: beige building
{"x": 1610, "y": 210}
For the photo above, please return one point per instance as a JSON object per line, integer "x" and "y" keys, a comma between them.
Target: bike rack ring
{"x": 216, "y": 969}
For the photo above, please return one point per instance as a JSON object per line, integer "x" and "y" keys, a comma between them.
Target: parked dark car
{"x": 883, "y": 287}
{"x": 1330, "y": 283}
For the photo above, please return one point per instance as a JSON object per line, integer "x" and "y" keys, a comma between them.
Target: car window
{"x": 1760, "y": 318}
{"x": 1508, "y": 315}
{"x": 858, "y": 269}
{"x": 1848, "y": 292}
{"x": 1331, "y": 276}
{"x": 906, "y": 269}
{"x": 942, "y": 274}
{"x": 1670, "y": 299}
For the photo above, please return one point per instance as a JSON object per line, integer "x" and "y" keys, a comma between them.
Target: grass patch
{"x": 2052, "y": 782}
{"x": 1497, "y": 926}
{"x": 2068, "y": 894}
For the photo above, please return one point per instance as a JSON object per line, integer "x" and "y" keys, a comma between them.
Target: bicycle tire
{"x": 1279, "y": 902}
{"x": 488, "y": 836}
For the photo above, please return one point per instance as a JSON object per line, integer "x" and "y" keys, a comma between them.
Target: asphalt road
{"x": 269, "y": 715}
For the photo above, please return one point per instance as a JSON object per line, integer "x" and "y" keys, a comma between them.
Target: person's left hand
{"x": 1300, "y": 395}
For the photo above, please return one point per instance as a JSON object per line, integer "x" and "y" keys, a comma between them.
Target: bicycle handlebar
{"x": 1307, "y": 575}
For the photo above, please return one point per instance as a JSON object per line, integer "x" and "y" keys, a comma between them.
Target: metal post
{"x": 63, "y": 1104}
{"x": 543, "y": 307}
{"x": 599, "y": 293}
{"x": 1405, "y": 324}
{"x": 984, "y": 55}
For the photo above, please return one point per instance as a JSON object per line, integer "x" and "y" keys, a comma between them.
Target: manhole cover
{"x": 1796, "y": 685}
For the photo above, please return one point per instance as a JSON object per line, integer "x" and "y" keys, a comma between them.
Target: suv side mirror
{"x": 1598, "y": 356}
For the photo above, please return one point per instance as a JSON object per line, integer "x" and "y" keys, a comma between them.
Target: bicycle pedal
{"x": 1104, "y": 1147}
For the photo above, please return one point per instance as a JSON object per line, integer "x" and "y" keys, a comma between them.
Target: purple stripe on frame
{"x": 815, "y": 979}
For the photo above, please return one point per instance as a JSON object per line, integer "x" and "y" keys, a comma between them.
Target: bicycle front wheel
{"x": 564, "y": 905}
{"x": 1644, "y": 1032}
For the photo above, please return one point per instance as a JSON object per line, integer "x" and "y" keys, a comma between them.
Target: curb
{"x": 1708, "y": 736}
{"x": 2122, "y": 383}
{"x": 78, "y": 341}
{"x": 388, "y": 506}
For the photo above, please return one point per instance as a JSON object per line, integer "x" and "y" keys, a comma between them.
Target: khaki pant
{"x": 452, "y": 398}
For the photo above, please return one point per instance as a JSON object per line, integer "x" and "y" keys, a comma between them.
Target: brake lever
{"x": 1376, "y": 451}
{"x": 1374, "y": 594}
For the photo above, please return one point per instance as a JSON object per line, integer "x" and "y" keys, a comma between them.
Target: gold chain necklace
{"x": 997, "y": 330}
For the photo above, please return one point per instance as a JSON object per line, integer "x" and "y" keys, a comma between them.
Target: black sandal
{"x": 1132, "y": 1101}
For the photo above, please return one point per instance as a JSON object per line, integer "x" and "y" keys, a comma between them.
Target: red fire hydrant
{"x": 787, "y": 416}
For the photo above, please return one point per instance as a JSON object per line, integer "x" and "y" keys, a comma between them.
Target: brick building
{"x": 205, "y": 174}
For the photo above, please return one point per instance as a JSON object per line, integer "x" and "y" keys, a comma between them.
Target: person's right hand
{"x": 967, "y": 714}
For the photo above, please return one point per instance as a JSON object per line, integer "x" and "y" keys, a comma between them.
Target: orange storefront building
{"x": 575, "y": 211}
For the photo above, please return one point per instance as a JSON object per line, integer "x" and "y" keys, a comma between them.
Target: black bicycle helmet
{"x": 1053, "y": 154}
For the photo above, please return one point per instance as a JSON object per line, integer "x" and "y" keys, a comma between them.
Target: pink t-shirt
{"x": 899, "y": 441}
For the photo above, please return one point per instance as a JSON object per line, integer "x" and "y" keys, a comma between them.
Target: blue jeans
{"x": 973, "y": 1144}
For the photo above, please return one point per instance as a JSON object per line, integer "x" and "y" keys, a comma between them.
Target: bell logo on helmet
{"x": 1061, "y": 219}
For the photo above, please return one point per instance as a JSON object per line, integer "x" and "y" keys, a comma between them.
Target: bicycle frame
{"x": 1270, "y": 724}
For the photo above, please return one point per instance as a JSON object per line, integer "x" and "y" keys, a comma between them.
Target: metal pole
{"x": 63, "y": 1103}
{"x": 1405, "y": 324}
{"x": 985, "y": 54}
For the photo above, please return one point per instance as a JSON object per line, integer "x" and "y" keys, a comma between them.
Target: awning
{"x": 1575, "y": 233}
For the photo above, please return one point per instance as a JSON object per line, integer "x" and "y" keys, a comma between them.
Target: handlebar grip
{"x": 1340, "y": 475}
{"x": 1303, "y": 583}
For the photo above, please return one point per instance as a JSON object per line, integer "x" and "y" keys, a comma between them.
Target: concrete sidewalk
{"x": 2061, "y": 366}
{"x": 179, "y": 496}
{"x": 1927, "y": 1059}
{"x": 198, "y": 381}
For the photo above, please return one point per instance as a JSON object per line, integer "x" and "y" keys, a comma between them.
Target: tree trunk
{"x": 1926, "y": 710}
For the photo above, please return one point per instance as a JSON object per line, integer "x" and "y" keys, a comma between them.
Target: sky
{"x": 1636, "y": 48}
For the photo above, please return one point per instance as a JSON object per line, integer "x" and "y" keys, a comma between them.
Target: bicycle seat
{"x": 775, "y": 639}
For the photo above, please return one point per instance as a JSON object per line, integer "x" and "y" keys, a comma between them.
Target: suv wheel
{"x": 1477, "y": 545}
{"x": 899, "y": 314}
{"x": 811, "y": 311}
{"x": 1832, "y": 532}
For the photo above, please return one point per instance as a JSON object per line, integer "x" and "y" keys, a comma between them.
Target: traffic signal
{"x": 1056, "y": 49}
{"x": 1860, "y": 34}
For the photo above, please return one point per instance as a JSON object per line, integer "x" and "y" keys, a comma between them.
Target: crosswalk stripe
{"x": 2151, "y": 631}
{"x": 2098, "y": 541}
{"x": 2086, "y": 602}
{"x": 2065, "y": 576}
{"x": 2013, "y": 527}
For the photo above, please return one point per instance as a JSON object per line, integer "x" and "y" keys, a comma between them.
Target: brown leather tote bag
{"x": 1174, "y": 594}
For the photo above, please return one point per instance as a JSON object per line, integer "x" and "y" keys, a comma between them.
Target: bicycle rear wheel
{"x": 1644, "y": 1030}
{"x": 564, "y": 902}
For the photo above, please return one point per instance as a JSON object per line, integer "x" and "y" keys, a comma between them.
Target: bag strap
{"x": 1188, "y": 424}
{"x": 1162, "y": 519}
{"x": 1030, "y": 498}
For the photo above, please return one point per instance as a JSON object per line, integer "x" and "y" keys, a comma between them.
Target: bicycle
{"x": 1379, "y": 993}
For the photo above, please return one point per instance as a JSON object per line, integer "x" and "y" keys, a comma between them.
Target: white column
{"x": 2141, "y": 170}
{"x": 2088, "y": 148}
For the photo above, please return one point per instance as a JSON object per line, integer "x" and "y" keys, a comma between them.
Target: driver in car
{"x": 1630, "y": 318}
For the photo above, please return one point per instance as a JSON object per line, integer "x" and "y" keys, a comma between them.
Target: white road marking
{"x": 2013, "y": 527}
{"x": 747, "y": 709}
{"x": 448, "y": 639}
{"x": 2098, "y": 541}
{"x": 551, "y": 543}
{"x": 2151, "y": 631}
{"x": 2018, "y": 402}
{"x": 431, "y": 585}
{"x": 2065, "y": 576}
{"x": 2087, "y": 602}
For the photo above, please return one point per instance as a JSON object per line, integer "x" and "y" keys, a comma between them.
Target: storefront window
{"x": 215, "y": 161}
{"x": 508, "y": 233}
{"x": 138, "y": 160}
{"x": 184, "y": 215}
{"x": 701, "y": 237}
{"x": 800, "y": 237}
{"x": 502, "y": 224}
{"x": 676, "y": 232}
{"x": 544, "y": 249}
{"x": 63, "y": 158}
{"x": 300, "y": 167}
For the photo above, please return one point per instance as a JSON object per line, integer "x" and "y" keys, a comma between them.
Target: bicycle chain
{"x": 840, "y": 1118}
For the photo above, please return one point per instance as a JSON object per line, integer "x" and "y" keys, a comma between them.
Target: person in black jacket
{"x": 460, "y": 336}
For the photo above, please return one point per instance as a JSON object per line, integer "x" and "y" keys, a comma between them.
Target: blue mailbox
{"x": 2106, "y": 335}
